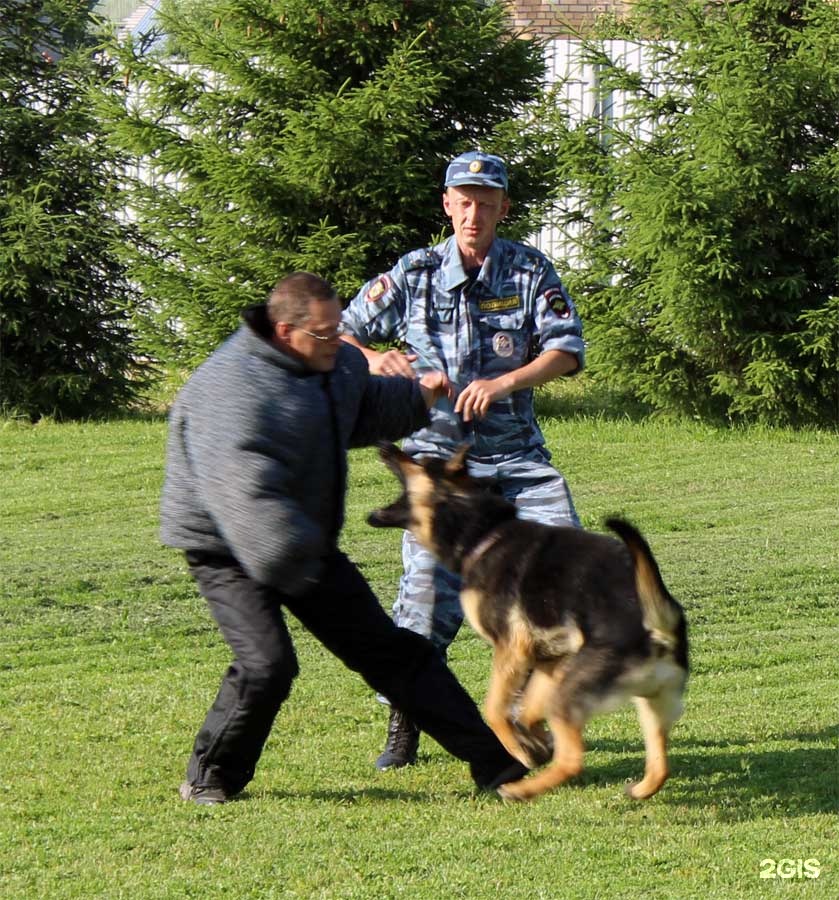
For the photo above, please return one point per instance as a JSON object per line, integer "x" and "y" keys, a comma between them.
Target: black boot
{"x": 402, "y": 742}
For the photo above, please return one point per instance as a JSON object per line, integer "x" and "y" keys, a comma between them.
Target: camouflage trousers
{"x": 428, "y": 600}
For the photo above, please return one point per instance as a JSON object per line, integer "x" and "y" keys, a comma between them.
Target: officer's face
{"x": 475, "y": 212}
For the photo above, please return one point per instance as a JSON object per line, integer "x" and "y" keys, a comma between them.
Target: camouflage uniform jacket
{"x": 516, "y": 309}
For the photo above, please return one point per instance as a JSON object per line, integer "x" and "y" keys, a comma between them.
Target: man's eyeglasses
{"x": 332, "y": 336}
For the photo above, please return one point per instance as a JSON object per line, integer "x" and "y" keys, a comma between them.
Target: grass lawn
{"x": 108, "y": 661}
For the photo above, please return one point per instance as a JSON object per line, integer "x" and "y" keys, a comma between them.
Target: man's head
{"x": 305, "y": 313}
{"x": 475, "y": 200}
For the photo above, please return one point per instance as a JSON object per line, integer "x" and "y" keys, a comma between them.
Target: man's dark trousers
{"x": 344, "y": 615}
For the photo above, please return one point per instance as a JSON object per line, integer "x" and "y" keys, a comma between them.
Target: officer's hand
{"x": 392, "y": 362}
{"x": 476, "y": 398}
{"x": 435, "y": 385}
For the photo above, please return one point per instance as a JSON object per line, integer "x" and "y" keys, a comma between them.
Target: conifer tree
{"x": 708, "y": 217}
{"x": 308, "y": 134}
{"x": 65, "y": 347}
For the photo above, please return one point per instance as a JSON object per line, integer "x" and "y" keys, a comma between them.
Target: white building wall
{"x": 579, "y": 82}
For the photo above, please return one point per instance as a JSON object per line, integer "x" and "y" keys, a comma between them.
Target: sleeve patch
{"x": 558, "y": 302}
{"x": 378, "y": 289}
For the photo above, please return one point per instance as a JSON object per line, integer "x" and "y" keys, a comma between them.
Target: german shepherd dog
{"x": 581, "y": 622}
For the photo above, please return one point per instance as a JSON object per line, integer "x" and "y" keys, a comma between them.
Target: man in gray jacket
{"x": 254, "y": 493}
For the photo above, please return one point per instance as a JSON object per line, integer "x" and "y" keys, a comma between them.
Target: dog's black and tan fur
{"x": 581, "y": 621}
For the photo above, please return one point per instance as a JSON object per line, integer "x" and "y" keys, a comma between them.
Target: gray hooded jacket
{"x": 256, "y": 460}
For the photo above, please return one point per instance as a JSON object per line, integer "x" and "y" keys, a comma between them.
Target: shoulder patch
{"x": 420, "y": 259}
{"x": 528, "y": 258}
{"x": 378, "y": 289}
{"x": 558, "y": 302}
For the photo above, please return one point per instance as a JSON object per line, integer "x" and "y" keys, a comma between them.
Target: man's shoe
{"x": 402, "y": 743}
{"x": 202, "y": 795}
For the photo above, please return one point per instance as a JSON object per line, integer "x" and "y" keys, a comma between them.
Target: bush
{"x": 65, "y": 302}
{"x": 708, "y": 239}
{"x": 307, "y": 135}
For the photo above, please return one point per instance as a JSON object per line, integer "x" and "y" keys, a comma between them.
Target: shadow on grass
{"x": 585, "y": 398}
{"x": 732, "y": 779}
{"x": 376, "y": 794}
{"x": 735, "y": 778}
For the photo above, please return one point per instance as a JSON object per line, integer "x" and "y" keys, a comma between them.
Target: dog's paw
{"x": 514, "y": 791}
{"x": 537, "y": 744}
{"x": 642, "y": 790}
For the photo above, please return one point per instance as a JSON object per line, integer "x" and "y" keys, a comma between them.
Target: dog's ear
{"x": 388, "y": 450}
{"x": 397, "y": 515}
{"x": 470, "y": 485}
{"x": 393, "y": 458}
{"x": 456, "y": 464}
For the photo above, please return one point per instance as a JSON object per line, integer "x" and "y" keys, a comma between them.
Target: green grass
{"x": 108, "y": 660}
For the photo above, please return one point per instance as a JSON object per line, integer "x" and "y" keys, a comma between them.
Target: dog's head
{"x": 421, "y": 480}
{"x": 439, "y": 500}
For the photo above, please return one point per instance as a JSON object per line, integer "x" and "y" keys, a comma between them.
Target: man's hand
{"x": 475, "y": 399}
{"x": 435, "y": 385}
{"x": 391, "y": 362}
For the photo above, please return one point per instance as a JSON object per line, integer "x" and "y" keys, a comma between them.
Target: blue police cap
{"x": 478, "y": 168}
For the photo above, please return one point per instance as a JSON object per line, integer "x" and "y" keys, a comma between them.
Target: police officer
{"x": 494, "y": 316}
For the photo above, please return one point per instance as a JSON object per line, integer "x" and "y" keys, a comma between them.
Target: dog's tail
{"x": 663, "y": 616}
